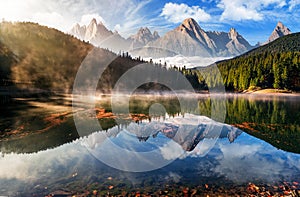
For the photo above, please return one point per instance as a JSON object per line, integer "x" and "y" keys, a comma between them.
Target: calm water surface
{"x": 157, "y": 143}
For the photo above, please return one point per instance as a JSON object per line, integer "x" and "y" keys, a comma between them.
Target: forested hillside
{"x": 275, "y": 65}
{"x": 44, "y": 58}
{"x": 35, "y": 56}
{"x": 7, "y": 59}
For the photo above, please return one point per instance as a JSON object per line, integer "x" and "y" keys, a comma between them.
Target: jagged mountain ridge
{"x": 142, "y": 38}
{"x": 99, "y": 35}
{"x": 187, "y": 136}
{"x": 279, "y": 31}
{"x": 188, "y": 39}
{"x": 94, "y": 32}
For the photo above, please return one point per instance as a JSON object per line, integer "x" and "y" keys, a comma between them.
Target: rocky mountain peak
{"x": 233, "y": 33}
{"x": 188, "y": 25}
{"x": 96, "y": 25}
{"x": 232, "y": 30}
{"x": 279, "y": 31}
{"x": 283, "y": 29}
{"x": 78, "y": 31}
{"x": 93, "y": 21}
{"x": 76, "y": 26}
{"x": 143, "y": 34}
{"x": 144, "y": 31}
{"x": 91, "y": 30}
{"x": 155, "y": 35}
{"x": 143, "y": 37}
{"x": 280, "y": 25}
{"x": 191, "y": 28}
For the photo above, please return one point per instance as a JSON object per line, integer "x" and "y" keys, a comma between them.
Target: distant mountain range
{"x": 99, "y": 35}
{"x": 142, "y": 38}
{"x": 186, "y": 135}
{"x": 34, "y": 56}
{"x": 188, "y": 39}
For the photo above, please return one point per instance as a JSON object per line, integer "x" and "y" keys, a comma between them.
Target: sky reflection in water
{"x": 244, "y": 160}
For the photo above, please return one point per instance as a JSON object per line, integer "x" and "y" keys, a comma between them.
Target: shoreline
{"x": 252, "y": 93}
{"x": 250, "y": 189}
{"x": 270, "y": 91}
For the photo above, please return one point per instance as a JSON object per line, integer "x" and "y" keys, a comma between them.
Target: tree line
{"x": 275, "y": 65}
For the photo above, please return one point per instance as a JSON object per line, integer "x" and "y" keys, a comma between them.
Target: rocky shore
{"x": 286, "y": 189}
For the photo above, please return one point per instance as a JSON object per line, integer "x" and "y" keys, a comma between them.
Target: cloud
{"x": 207, "y": 1}
{"x": 31, "y": 166}
{"x": 117, "y": 27}
{"x": 172, "y": 151}
{"x": 249, "y": 159}
{"x": 86, "y": 19}
{"x": 188, "y": 62}
{"x": 125, "y": 16}
{"x": 50, "y": 19}
{"x": 203, "y": 148}
{"x": 247, "y": 10}
{"x": 293, "y": 4}
{"x": 63, "y": 14}
{"x": 176, "y": 13}
{"x": 237, "y": 11}
{"x": 51, "y": 13}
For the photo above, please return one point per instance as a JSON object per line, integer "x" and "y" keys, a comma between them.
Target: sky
{"x": 254, "y": 20}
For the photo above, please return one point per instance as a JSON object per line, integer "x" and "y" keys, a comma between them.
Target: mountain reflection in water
{"x": 72, "y": 165}
{"x": 41, "y": 151}
{"x": 121, "y": 149}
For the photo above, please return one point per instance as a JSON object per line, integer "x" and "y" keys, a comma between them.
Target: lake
{"x": 150, "y": 144}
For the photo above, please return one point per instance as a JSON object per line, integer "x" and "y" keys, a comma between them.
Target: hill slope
{"x": 45, "y": 58}
{"x": 34, "y": 56}
{"x": 7, "y": 59}
{"x": 275, "y": 65}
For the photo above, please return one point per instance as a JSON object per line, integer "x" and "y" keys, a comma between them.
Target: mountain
{"x": 40, "y": 57}
{"x": 279, "y": 31}
{"x": 79, "y": 31}
{"x": 99, "y": 35}
{"x": 94, "y": 32}
{"x": 7, "y": 59}
{"x": 274, "y": 65}
{"x": 37, "y": 57}
{"x": 189, "y": 39}
{"x": 142, "y": 38}
{"x": 188, "y": 136}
